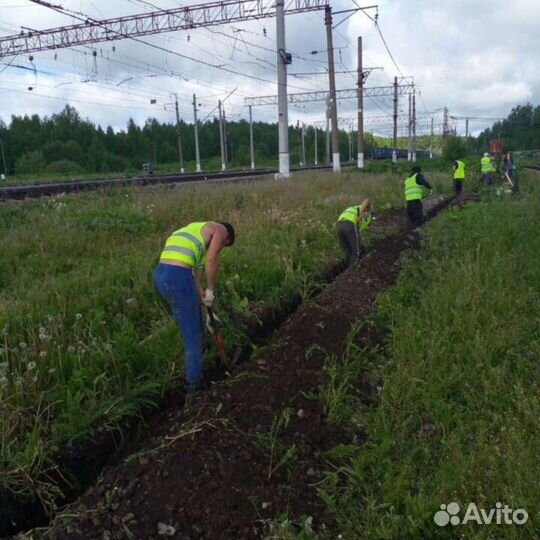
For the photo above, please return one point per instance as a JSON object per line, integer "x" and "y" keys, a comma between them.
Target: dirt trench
{"x": 212, "y": 470}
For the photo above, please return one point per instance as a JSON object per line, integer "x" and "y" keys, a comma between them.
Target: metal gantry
{"x": 144, "y": 24}
{"x": 349, "y": 93}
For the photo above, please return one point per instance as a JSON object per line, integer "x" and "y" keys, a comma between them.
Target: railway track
{"x": 75, "y": 186}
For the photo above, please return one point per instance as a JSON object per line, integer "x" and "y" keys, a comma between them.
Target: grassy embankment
{"x": 456, "y": 418}
{"x": 83, "y": 337}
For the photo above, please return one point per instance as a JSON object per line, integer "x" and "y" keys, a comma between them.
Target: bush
{"x": 64, "y": 166}
{"x": 454, "y": 148}
{"x": 30, "y": 162}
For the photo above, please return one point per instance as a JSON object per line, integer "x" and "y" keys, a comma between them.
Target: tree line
{"x": 67, "y": 143}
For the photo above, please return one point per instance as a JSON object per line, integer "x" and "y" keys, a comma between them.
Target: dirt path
{"x": 212, "y": 470}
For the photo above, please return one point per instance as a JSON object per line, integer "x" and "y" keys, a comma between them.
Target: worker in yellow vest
{"x": 459, "y": 175}
{"x": 177, "y": 278}
{"x": 415, "y": 188}
{"x": 487, "y": 168}
{"x": 349, "y": 224}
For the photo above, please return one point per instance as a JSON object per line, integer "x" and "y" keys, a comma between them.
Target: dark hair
{"x": 416, "y": 169}
{"x": 230, "y": 231}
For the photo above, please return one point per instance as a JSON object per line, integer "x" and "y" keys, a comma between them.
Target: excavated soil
{"x": 211, "y": 469}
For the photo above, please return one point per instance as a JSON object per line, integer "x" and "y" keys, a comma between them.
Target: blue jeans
{"x": 177, "y": 286}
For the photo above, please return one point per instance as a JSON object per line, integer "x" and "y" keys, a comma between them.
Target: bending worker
{"x": 349, "y": 223}
{"x": 415, "y": 186}
{"x": 459, "y": 175}
{"x": 177, "y": 278}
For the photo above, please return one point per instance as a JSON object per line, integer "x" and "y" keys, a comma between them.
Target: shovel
{"x": 212, "y": 323}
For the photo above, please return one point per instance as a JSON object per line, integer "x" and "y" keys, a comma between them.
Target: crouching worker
{"x": 177, "y": 278}
{"x": 349, "y": 224}
{"x": 415, "y": 186}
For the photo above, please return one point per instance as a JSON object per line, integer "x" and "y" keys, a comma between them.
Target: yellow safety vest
{"x": 413, "y": 191}
{"x": 459, "y": 173}
{"x": 351, "y": 214}
{"x": 186, "y": 245}
{"x": 486, "y": 165}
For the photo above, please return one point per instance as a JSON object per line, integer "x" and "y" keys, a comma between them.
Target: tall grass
{"x": 84, "y": 338}
{"x": 458, "y": 413}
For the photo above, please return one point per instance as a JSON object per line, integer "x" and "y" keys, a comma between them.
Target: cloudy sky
{"x": 479, "y": 58}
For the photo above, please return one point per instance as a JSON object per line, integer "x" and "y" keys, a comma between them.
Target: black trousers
{"x": 458, "y": 186}
{"x": 350, "y": 241}
{"x": 415, "y": 212}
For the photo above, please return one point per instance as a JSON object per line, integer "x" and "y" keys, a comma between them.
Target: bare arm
{"x": 198, "y": 274}
{"x": 365, "y": 207}
{"x": 217, "y": 243}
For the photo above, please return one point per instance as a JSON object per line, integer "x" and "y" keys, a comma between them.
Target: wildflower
{"x": 3, "y": 381}
{"x": 131, "y": 301}
{"x": 52, "y": 370}
{"x": 42, "y": 354}
{"x": 22, "y": 345}
{"x": 31, "y": 366}
{"x": 71, "y": 348}
{"x": 78, "y": 316}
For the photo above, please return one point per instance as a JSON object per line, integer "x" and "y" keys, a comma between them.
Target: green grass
{"x": 457, "y": 416}
{"x": 84, "y": 339}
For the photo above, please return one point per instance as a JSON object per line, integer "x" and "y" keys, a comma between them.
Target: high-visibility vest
{"x": 186, "y": 245}
{"x": 459, "y": 173}
{"x": 351, "y": 214}
{"x": 413, "y": 191}
{"x": 486, "y": 165}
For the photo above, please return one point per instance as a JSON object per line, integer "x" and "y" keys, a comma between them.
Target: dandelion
{"x": 78, "y": 316}
{"x": 3, "y": 381}
{"x": 131, "y": 301}
{"x": 42, "y": 354}
{"x": 51, "y": 370}
{"x": 31, "y": 366}
{"x": 22, "y": 345}
{"x": 71, "y": 349}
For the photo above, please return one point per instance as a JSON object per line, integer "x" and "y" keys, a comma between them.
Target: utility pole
{"x": 251, "y": 149}
{"x": 4, "y": 160}
{"x": 328, "y": 130}
{"x": 196, "y": 130}
{"x": 360, "y": 157}
{"x": 178, "y": 136}
{"x": 228, "y": 158}
{"x": 394, "y": 151}
{"x": 409, "y": 125}
{"x": 446, "y": 127}
{"x": 431, "y": 141}
{"x": 283, "y": 117}
{"x": 303, "y": 145}
{"x": 221, "y": 137}
{"x": 350, "y": 142}
{"x": 466, "y": 134}
{"x": 316, "y": 150}
{"x": 336, "y": 165}
{"x": 414, "y": 126}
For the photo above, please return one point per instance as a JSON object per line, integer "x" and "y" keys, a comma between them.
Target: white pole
{"x": 283, "y": 117}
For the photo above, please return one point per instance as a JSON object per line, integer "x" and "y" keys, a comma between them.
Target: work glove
{"x": 208, "y": 298}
